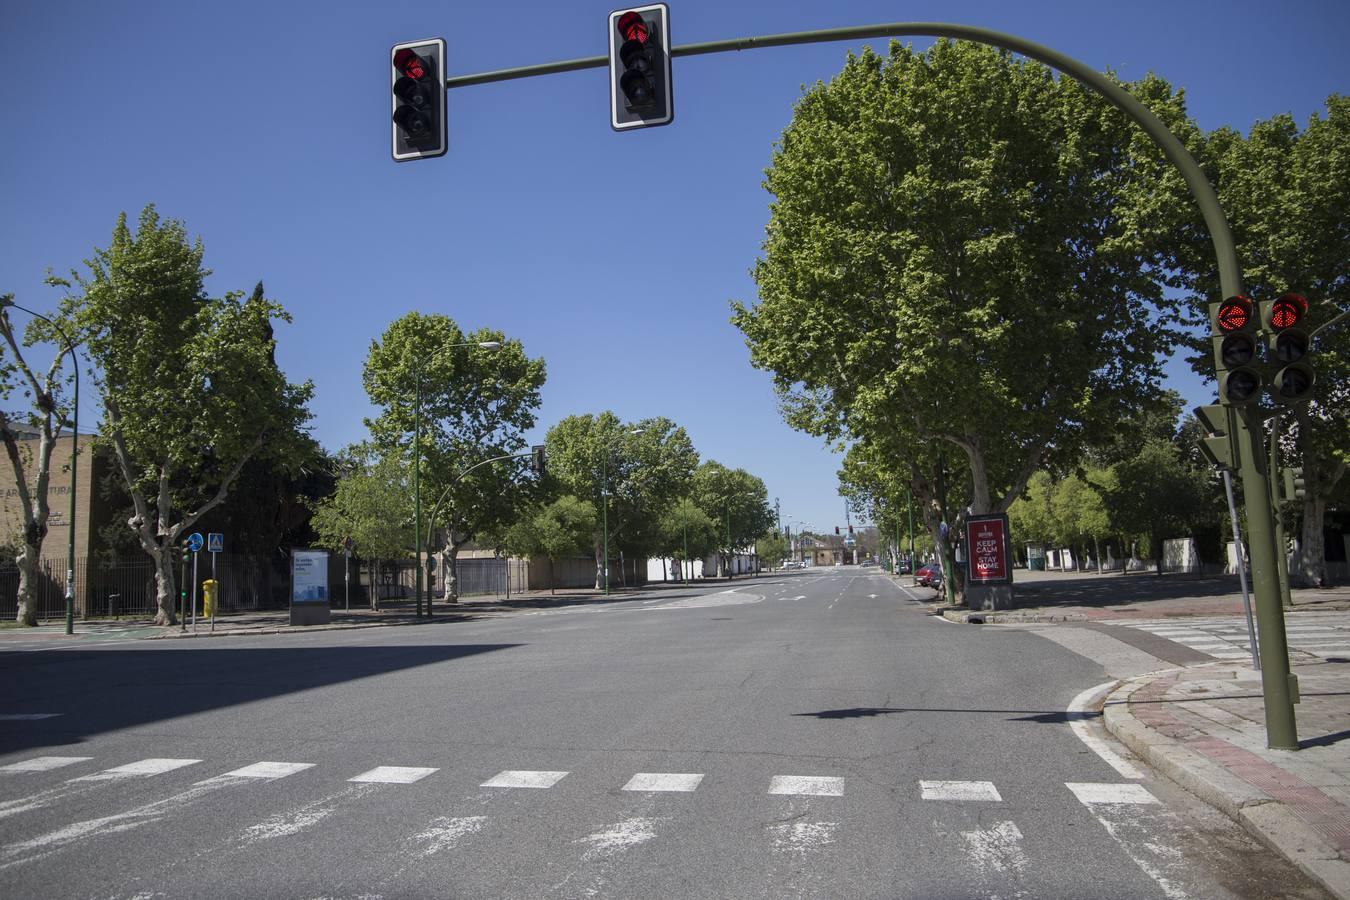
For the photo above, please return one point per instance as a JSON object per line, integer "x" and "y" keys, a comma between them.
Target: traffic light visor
{"x": 410, "y": 64}
{"x": 1237, "y": 350}
{"x": 1241, "y": 386}
{"x": 1234, "y": 314}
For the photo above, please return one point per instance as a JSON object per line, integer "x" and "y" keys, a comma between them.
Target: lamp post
{"x": 74, "y": 458}
{"x": 417, "y": 470}
{"x": 604, "y": 503}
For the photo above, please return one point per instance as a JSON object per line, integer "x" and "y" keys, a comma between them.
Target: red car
{"x": 929, "y": 575}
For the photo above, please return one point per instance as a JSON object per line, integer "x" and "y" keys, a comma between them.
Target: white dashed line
{"x": 154, "y": 766}
{"x": 959, "y": 790}
{"x": 513, "y": 778}
{"x": 393, "y": 775}
{"x": 270, "y": 770}
{"x": 807, "y": 786}
{"x": 1091, "y": 794}
{"x": 44, "y": 763}
{"x": 662, "y": 781}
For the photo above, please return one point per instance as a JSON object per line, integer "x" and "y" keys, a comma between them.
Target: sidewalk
{"x": 1204, "y": 727}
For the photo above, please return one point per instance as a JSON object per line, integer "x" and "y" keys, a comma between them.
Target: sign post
{"x": 195, "y": 545}
{"x": 988, "y": 563}
{"x": 347, "y": 574}
{"x": 309, "y": 587}
{"x": 215, "y": 543}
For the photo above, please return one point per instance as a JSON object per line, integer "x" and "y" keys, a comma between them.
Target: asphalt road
{"x": 807, "y": 735}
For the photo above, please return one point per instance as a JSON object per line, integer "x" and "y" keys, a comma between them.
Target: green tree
{"x": 686, "y": 527}
{"x": 473, "y": 403}
{"x": 1081, "y": 516}
{"x": 45, "y": 416}
{"x": 372, "y": 506}
{"x": 738, "y": 502}
{"x": 963, "y": 251}
{"x": 772, "y": 548}
{"x": 1286, "y": 193}
{"x": 631, "y": 472}
{"x": 1158, "y": 496}
{"x": 1031, "y": 518}
{"x": 189, "y": 384}
{"x": 558, "y": 530}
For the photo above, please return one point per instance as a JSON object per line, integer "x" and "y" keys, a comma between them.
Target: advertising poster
{"x": 989, "y": 560}
{"x": 309, "y": 587}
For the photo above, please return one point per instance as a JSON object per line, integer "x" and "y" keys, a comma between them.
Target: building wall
{"x": 89, "y": 512}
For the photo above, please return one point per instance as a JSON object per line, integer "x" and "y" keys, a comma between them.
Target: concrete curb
{"x": 1269, "y": 820}
{"x": 965, "y": 617}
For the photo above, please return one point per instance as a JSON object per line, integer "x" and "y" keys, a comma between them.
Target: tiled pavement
{"x": 1204, "y": 727}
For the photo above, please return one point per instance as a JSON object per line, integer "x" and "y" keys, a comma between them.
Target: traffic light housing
{"x": 836, "y": 529}
{"x": 417, "y": 97}
{"x": 1235, "y": 351}
{"x": 1289, "y": 347}
{"x": 639, "y": 67}
{"x": 1295, "y": 487}
{"x": 1217, "y": 448}
{"x": 537, "y": 459}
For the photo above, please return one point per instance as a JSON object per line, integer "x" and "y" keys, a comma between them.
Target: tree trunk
{"x": 1097, "y": 548}
{"x": 29, "y": 578}
{"x": 599, "y": 565}
{"x": 451, "y": 581}
{"x": 552, "y": 578}
{"x": 165, "y": 590}
{"x": 1312, "y": 551}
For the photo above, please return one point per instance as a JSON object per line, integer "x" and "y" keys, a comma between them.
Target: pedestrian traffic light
{"x": 1234, "y": 344}
{"x": 639, "y": 67}
{"x": 417, "y": 82}
{"x": 537, "y": 459}
{"x": 1288, "y": 347}
{"x": 1295, "y": 487}
{"x": 850, "y": 529}
{"x": 836, "y": 529}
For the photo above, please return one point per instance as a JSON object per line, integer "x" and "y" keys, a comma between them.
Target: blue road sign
{"x": 195, "y": 541}
{"x": 215, "y": 542}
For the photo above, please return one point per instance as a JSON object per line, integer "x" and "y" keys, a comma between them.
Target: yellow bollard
{"x": 209, "y": 587}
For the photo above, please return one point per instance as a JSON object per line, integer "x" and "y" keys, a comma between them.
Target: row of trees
{"x": 972, "y": 267}
{"x": 195, "y": 408}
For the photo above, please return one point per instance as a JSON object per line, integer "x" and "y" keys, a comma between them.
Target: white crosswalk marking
{"x": 959, "y": 790}
{"x": 1227, "y": 638}
{"x": 270, "y": 770}
{"x": 513, "y": 778}
{"x": 807, "y": 786}
{"x": 662, "y": 781}
{"x": 393, "y": 775}
{"x": 144, "y": 767}
{"x": 1090, "y": 794}
{"x": 44, "y": 763}
{"x": 27, "y": 717}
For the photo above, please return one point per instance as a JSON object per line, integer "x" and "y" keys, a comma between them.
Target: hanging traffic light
{"x": 417, "y": 72}
{"x": 1288, "y": 346}
{"x": 639, "y": 67}
{"x": 1235, "y": 351}
{"x": 537, "y": 459}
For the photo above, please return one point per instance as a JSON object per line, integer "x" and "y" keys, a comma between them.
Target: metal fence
{"x": 126, "y": 587}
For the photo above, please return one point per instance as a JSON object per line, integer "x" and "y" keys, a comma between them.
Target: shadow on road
{"x": 1031, "y": 715}
{"x": 98, "y": 691}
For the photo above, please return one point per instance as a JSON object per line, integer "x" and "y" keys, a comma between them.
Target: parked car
{"x": 929, "y": 575}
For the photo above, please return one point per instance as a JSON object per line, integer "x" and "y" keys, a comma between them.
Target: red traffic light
{"x": 633, "y": 27}
{"x": 1234, "y": 314}
{"x": 1287, "y": 311}
{"x": 410, "y": 64}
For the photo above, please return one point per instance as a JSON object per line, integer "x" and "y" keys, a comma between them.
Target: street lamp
{"x": 604, "y": 501}
{"x": 417, "y": 469}
{"x": 74, "y": 457}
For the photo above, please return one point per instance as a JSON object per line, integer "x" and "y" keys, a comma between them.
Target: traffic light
{"x": 417, "y": 82}
{"x": 1295, "y": 487}
{"x": 850, "y": 529}
{"x": 537, "y": 459}
{"x": 1235, "y": 351}
{"x": 836, "y": 529}
{"x": 1217, "y": 448}
{"x": 639, "y": 67}
{"x": 1288, "y": 347}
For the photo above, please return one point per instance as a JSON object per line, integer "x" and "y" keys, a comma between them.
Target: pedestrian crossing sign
{"x": 215, "y": 542}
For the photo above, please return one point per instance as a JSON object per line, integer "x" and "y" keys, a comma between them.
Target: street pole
{"x": 417, "y": 488}
{"x": 728, "y": 540}
{"x": 182, "y": 592}
{"x": 1281, "y": 553}
{"x": 604, "y": 513}
{"x": 1241, "y": 567}
{"x": 194, "y": 589}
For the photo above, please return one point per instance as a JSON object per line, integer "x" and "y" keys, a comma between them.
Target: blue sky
{"x": 264, "y": 126}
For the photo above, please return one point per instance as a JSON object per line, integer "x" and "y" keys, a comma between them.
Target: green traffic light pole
{"x": 74, "y": 459}
{"x": 1278, "y": 683}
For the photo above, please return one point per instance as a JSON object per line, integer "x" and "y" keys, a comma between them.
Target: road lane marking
{"x": 959, "y": 790}
{"x": 445, "y": 833}
{"x": 27, "y": 717}
{"x": 44, "y": 763}
{"x": 1079, "y": 712}
{"x": 663, "y": 781}
{"x": 617, "y": 838}
{"x": 996, "y": 852}
{"x": 270, "y": 770}
{"x": 1090, "y": 794}
{"x": 298, "y": 818}
{"x": 393, "y": 775}
{"x": 153, "y": 766}
{"x": 514, "y": 778}
{"x": 807, "y": 786}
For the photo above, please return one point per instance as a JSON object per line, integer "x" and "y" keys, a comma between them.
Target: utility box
{"x": 210, "y": 594}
